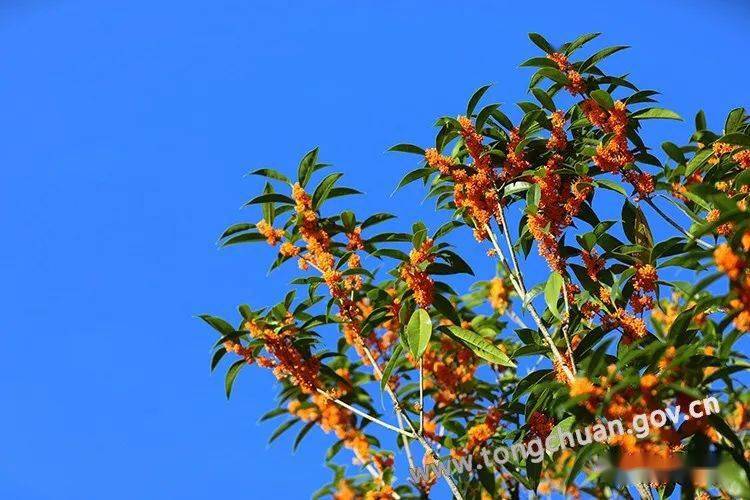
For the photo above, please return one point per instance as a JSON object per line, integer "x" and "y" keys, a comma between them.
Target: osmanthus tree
{"x": 618, "y": 337}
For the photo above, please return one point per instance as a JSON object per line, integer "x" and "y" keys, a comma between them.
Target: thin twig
{"x": 703, "y": 244}
{"x": 405, "y": 440}
{"x": 364, "y": 415}
{"x": 421, "y": 398}
{"x": 566, "y": 323}
{"x": 529, "y": 306}
{"x": 516, "y": 267}
{"x": 506, "y": 233}
{"x": 399, "y": 409}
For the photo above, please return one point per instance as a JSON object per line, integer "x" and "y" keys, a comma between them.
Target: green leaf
{"x": 480, "y": 346}
{"x": 544, "y": 98}
{"x": 444, "y": 307}
{"x": 474, "y": 100}
{"x": 236, "y": 228}
{"x": 377, "y": 219}
{"x": 270, "y": 197}
{"x": 541, "y": 42}
{"x": 419, "y": 234}
{"x": 273, "y": 413}
{"x": 628, "y": 214}
{"x": 484, "y": 114}
{"x": 737, "y": 139}
{"x": 674, "y": 152}
{"x": 420, "y": 173}
{"x": 218, "y": 324}
{"x": 407, "y": 148}
{"x": 271, "y": 174}
{"x": 655, "y": 113}
{"x": 281, "y": 429}
{"x": 603, "y": 99}
{"x": 269, "y": 212}
{"x": 349, "y": 220}
{"x": 342, "y": 191}
{"x": 307, "y": 166}
{"x": 579, "y": 42}
{"x": 554, "y": 74}
{"x": 539, "y": 62}
{"x": 700, "y": 121}
{"x": 302, "y": 434}
{"x": 591, "y": 61}
{"x": 220, "y": 352}
{"x": 418, "y": 332}
{"x": 611, "y": 185}
{"x": 698, "y": 160}
{"x": 552, "y": 292}
{"x": 232, "y": 374}
{"x": 735, "y": 119}
{"x": 243, "y": 238}
{"x": 324, "y": 188}
{"x": 389, "y": 367}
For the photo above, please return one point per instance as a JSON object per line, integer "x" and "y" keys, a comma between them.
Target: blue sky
{"x": 127, "y": 128}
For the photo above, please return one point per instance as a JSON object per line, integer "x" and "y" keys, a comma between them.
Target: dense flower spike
{"x": 273, "y": 236}
{"x": 644, "y": 283}
{"x": 448, "y": 368}
{"x": 515, "y": 159}
{"x": 577, "y": 84}
{"x": 557, "y": 141}
{"x": 473, "y": 189}
{"x": 593, "y": 263}
{"x": 743, "y": 158}
{"x": 415, "y": 277}
{"x": 288, "y": 362}
{"x": 614, "y": 155}
{"x": 560, "y": 201}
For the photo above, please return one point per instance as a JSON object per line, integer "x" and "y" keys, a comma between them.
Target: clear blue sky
{"x": 127, "y": 127}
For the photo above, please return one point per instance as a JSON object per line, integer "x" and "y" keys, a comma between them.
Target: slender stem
{"x": 530, "y": 307}
{"x": 421, "y": 398}
{"x": 506, "y": 233}
{"x": 565, "y": 325}
{"x": 405, "y": 440}
{"x": 703, "y": 244}
{"x": 399, "y": 409}
{"x": 364, "y": 415}
{"x": 516, "y": 267}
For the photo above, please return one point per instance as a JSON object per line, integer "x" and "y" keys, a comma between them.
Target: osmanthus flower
{"x": 644, "y": 284}
{"x": 448, "y": 368}
{"x": 734, "y": 263}
{"x": 414, "y": 274}
{"x": 577, "y": 84}
{"x": 515, "y": 158}
{"x": 273, "y": 236}
{"x": 498, "y": 295}
{"x": 593, "y": 263}
{"x": 614, "y": 344}
{"x": 723, "y": 229}
{"x": 614, "y": 155}
{"x": 474, "y": 185}
{"x": 680, "y": 189}
{"x": 743, "y": 158}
